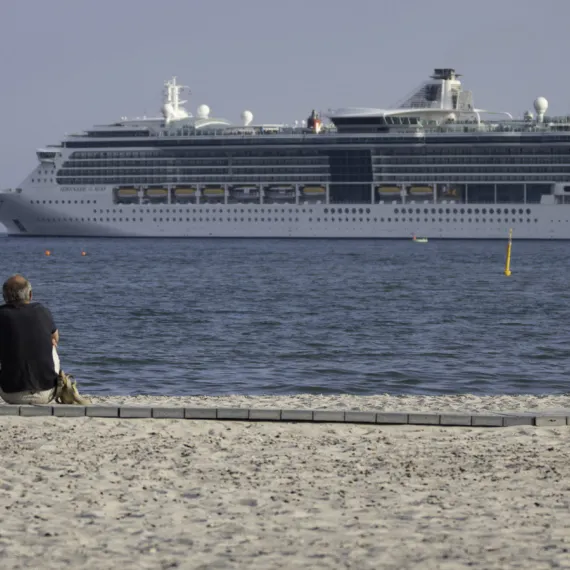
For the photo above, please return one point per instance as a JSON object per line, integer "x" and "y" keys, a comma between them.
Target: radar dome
{"x": 540, "y": 105}
{"x": 247, "y": 117}
{"x": 203, "y": 111}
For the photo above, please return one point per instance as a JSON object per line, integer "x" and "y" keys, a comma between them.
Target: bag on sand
{"x": 66, "y": 391}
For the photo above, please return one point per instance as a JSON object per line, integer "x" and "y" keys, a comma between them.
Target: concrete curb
{"x": 312, "y": 416}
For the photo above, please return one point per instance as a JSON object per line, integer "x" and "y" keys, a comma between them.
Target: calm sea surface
{"x": 183, "y": 317}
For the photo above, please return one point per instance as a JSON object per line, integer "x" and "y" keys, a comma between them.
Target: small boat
{"x": 420, "y": 239}
{"x": 314, "y": 190}
{"x": 213, "y": 191}
{"x": 156, "y": 192}
{"x": 421, "y": 191}
{"x": 127, "y": 192}
{"x": 388, "y": 190}
{"x": 185, "y": 191}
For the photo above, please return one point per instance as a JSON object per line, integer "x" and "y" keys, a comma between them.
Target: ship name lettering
{"x": 83, "y": 188}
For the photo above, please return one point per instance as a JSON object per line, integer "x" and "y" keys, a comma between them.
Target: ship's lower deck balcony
{"x": 325, "y": 192}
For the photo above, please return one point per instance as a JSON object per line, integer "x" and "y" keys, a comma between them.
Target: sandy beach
{"x": 119, "y": 493}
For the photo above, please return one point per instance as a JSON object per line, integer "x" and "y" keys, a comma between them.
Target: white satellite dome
{"x": 247, "y": 117}
{"x": 540, "y": 105}
{"x": 203, "y": 111}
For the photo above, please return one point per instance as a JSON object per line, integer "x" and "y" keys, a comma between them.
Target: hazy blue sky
{"x": 67, "y": 64}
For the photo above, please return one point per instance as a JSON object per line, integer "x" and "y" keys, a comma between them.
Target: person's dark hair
{"x": 17, "y": 290}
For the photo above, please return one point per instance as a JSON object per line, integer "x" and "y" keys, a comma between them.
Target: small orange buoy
{"x": 48, "y": 252}
{"x": 83, "y": 253}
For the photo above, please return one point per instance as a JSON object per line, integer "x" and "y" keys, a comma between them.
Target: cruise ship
{"x": 433, "y": 165}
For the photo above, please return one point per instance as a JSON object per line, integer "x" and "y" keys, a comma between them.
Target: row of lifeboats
{"x": 413, "y": 191}
{"x": 286, "y": 191}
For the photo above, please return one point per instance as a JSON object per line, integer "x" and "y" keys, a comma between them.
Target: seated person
{"x": 29, "y": 365}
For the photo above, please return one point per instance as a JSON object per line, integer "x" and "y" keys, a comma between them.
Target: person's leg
{"x": 56, "y": 363}
{"x": 29, "y": 398}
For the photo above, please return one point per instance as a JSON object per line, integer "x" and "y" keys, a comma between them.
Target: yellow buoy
{"x": 508, "y": 262}
{"x": 48, "y": 252}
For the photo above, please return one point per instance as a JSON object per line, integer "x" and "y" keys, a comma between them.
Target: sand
{"x": 112, "y": 493}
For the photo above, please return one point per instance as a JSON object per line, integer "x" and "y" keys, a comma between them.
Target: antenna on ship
{"x": 172, "y": 108}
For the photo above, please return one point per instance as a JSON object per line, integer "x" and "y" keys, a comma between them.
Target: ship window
{"x": 396, "y": 210}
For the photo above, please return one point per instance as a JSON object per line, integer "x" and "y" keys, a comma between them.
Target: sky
{"x": 69, "y": 64}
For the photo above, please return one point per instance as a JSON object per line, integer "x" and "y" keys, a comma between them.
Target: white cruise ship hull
{"x": 27, "y": 215}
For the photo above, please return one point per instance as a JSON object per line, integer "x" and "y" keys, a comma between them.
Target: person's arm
{"x": 52, "y": 326}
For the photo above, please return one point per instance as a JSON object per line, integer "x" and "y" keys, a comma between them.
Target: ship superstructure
{"x": 433, "y": 165}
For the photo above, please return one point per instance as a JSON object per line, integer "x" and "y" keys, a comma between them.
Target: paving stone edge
{"x": 445, "y": 419}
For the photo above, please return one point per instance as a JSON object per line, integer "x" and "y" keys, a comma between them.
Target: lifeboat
{"x": 421, "y": 190}
{"x": 388, "y": 190}
{"x": 314, "y": 190}
{"x": 213, "y": 192}
{"x": 127, "y": 193}
{"x": 184, "y": 192}
{"x": 156, "y": 192}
